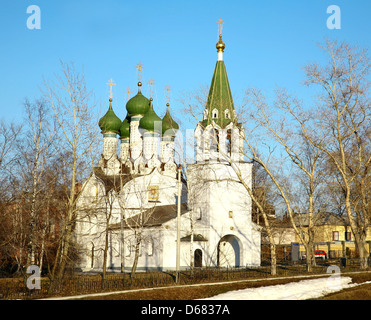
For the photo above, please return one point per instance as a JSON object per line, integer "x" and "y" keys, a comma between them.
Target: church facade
{"x": 127, "y": 209}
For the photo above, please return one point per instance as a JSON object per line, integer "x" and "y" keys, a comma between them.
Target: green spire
{"x": 110, "y": 122}
{"x": 219, "y": 105}
{"x": 169, "y": 126}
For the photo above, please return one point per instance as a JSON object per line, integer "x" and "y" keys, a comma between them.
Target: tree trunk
{"x": 105, "y": 254}
{"x": 136, "y": 257}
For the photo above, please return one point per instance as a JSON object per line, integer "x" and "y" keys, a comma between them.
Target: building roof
{"x": 124, "y": 130}
{"x": 152, "y": 217}
{"x": 322, "y": 218}
{"x": 150, "y": 120}
{"x": 169, "y": 126}
{"x": 113, "y": 181}
{"x": 110, "y": 122}
{"x": 219, "y": 98}
{"x": 137, "y": 105}
{"x": 196, "y": 237}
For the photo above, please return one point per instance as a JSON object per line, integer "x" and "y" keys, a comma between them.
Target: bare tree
{"x": 280, "y": 123}
{"x": 34, "y": 150}
{"x": 11, "y": 224}
{"x": 335, "y": 130}
{"x": 344, "y": 116}
{"x": 137, "y": 221}
{"x": 71, "y": 103}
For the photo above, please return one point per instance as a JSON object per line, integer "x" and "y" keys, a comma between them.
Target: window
{"x": 128, "y": 248}
{"x": 335, "y": 235}
{"x": 348, "y": 236}
{"x": 215, "y": 114}
{"x": 198, "y": 258}
{"x": 214, "y": 140}
{"x": 153, "y": 193}
{"x": 150, "y": 247}
{"x": 199, "y": 214}
{"x": 227, "y": 114}
{"x": 229, "y": 141}
{"x": 230, "y": 214}
{"x": 206, "y": 112}
{"x": 93, "y": 224}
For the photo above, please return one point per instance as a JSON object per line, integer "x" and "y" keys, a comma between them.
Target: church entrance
{"x": 229, "y": 251}
{"x": 198, "y": 258}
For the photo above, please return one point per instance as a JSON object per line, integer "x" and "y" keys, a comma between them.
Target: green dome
{"x": 169, "y": 126}
{"x": 149, "y": 119}
{"x": 137, "y": 105}
{"x": 110, "y": 122}
{"x": 124, "y": 130}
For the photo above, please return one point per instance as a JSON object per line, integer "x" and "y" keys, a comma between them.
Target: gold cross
{"x": 128, "y": 91}
{"x": 220, "y": 22}
{"x": 167, "y": 89}
{"x": 151, "y": 83}
{"x": 110, "y": 83}
{"x": 139, "y": 68}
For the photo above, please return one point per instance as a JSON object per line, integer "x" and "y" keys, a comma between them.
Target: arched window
{"x": 199, "y": 217}
{"x": 206, "y": 112}
{"x": 198, "y": 258}
{"x": 150, "y": 247}
{"x": 95, "y": 192}
{"x": 214, "y": 140}
{"x": 128, "y": 248}
{"x": 227, "y": 114}
{"x": 229, "y": 141}
{"x": 215, "y": 114}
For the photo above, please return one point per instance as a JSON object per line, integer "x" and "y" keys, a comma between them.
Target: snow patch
{"x": 301, "y": 290}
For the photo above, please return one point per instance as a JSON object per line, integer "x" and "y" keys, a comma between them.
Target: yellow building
{"x": 332, "y": 234}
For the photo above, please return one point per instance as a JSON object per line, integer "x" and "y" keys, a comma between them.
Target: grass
{"x": 188, "y": 293}
{"x": 160, "y": 285}
{"x": 362, "y": 292}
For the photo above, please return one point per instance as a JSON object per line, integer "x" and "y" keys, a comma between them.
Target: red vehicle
{"x": 318, "y": 254}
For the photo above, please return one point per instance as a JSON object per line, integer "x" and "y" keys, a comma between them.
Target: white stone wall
{"x": 109, "y": 146}
{"x": 167, "y": 150}
{"x": 225, "y": 206}
{"x": 135, "y": 138}
{"x": 124, "y": 150}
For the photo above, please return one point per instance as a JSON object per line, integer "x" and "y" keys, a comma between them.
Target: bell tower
{"x": 219, "y": 136}
{"x": 219, "y": 201}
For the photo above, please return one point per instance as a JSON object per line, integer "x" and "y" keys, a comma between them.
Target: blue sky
{"x": 267, "y": 43}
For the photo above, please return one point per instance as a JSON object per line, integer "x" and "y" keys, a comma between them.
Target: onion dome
{"x": 110, "y": 122}
{"x": 169, "y": 126}
{"x": 150, "y": 120}
{"x": 124, "y": 130}
{"x": 137, "y": 105}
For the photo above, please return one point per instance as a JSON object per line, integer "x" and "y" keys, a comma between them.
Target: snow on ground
{"x": 301, "y": 290}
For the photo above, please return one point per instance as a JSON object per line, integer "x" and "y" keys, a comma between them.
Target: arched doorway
{"x": 198, "y": 258}
{"x": 229, "y": 251}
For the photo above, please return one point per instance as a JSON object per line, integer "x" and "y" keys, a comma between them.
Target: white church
{"x": 128, "y": 207}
